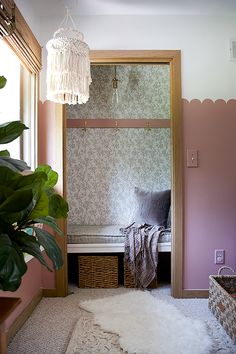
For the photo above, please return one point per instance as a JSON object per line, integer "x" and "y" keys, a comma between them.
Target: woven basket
{"x": 129, "y": 281}
{"x": 222, "y": 289}
{"x": 98, "y": 271}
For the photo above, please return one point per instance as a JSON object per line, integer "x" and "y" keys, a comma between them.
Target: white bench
{"x": 103, "y": 239}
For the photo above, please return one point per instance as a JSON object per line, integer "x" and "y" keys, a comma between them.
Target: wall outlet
{"x": 219, "y": 256}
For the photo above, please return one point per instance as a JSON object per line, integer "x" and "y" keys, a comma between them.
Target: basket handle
{"x": 225, "y": 267}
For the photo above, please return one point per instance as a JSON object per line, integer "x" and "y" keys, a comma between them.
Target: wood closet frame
{"x": 173, "y": 58}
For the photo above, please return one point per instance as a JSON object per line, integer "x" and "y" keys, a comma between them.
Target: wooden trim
{"x": 177, "y": 178}
{"x": 22, "y": 40}
{"x": 24, "y": 315}
{"x": 61, "y": 275}
{"x": 118, "y": 123}
{"x": 49, "y": 292}
{"x": 7, "y": 306}
{"x": 173, "y": 58}
{"x": 132, "y": 56}
{"x": 189, "y": 294}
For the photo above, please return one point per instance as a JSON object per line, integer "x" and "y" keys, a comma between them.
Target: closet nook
{"x": 115, "y": 142}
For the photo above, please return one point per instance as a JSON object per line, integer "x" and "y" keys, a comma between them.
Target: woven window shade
{"x": 14, "y": 29}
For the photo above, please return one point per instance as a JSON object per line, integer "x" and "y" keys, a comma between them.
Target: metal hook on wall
{"x": 85, "y": 126}
{"x": 116, "y": 126}
{"x": 148, "y": 127}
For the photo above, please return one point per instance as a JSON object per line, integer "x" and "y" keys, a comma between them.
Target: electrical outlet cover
{"x": 219, "y": 256}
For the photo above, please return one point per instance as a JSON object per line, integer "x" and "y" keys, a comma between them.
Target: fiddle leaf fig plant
{"x": 3, "y": 81}
{"x": 27, "y": 202}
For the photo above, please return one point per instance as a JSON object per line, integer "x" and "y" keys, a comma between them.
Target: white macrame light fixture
{"x": 68, "y": 65}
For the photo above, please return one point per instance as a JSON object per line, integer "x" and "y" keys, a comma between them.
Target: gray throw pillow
{"x": 152, "y": 207}
{"x": 168, "y": 223}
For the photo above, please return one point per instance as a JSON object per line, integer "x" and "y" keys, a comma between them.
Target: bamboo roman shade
{"x": 17, "y": 33}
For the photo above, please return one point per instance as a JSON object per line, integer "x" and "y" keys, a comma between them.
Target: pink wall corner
{"x": 46, "y": 154}
{"x": 29, "y": 288}
{"x": 210, "y": 189}
{"x": 46, "y": 127}
{"x": 50, "y": 152}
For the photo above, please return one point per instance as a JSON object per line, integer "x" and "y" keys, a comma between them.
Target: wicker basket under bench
{"x": 129, "y": 281}
{"x": 98, "y": 271}
{"x": 222, "y": 301}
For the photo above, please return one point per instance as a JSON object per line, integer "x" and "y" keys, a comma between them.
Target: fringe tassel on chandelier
{"x": 68, "y": 67}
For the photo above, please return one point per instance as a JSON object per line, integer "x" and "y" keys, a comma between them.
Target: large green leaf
{"x": 41, "y": 207}
{"x": 35, "y": 181}
{"x": 5, "y": 192}
{"x": 16, "y": 180}
{"x": 30, "y": 245}
{"x": 16, "y": 202}
{"x": 13, "y": 164}
{"x": 5, "y": 227}
{"x": 7, "y": 176}
{"x": 12, "y": 264}
{"x": 58, "y": 207}
{"x": 3, "y": 81}
{"x": 4, "y": 153}
{"x": 50, "y": 221}
{"x": 50, "y": 246}
{"x": 52, "y": 175}
{"x": 10, "y": 131}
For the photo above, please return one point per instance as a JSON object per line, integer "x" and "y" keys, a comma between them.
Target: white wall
{"x": 207, "y": 71}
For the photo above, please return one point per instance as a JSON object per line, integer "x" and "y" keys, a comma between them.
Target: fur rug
{"x": 146, "y": 325}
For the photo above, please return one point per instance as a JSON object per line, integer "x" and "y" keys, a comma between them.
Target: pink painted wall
{"x": 30, "y": 287}
{"x": 46, "y": 129}
{"x": 210, "y": 189}
{"x": 46, "y": 154}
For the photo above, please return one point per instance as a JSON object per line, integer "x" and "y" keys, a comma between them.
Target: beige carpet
{"x": 50, "y": 328}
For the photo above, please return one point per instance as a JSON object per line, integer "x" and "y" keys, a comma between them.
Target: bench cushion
{"x": 96, "y": 234}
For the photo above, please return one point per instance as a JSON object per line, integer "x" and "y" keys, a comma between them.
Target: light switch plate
{"x": 192, "y": 158}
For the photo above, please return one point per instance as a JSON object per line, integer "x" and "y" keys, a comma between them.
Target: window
{"x": 20, "y": 63}
{"x": 17, "y": 102}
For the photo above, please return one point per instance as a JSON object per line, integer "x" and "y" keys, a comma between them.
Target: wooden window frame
{"x": 15, "y": 30}
{"x": 18, "y": 35}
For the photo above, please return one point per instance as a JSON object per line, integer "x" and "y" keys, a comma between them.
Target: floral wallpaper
{"x": 143, "y": 92}
{"x": 104, "y": 166}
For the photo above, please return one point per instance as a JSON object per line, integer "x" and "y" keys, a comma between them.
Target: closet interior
{"x": 117, "y": 143}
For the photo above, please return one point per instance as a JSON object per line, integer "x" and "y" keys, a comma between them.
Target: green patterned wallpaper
{"x": 143, "y": 92}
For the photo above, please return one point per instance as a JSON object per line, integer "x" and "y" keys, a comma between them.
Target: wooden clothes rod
{"x": 118, "y": 123}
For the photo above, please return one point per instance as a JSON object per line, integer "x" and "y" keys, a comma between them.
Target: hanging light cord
{"x": 67, "y": 18}
{"x": 115, "y": 80}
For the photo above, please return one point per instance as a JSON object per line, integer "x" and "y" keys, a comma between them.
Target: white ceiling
{"x": 132, "y": 7}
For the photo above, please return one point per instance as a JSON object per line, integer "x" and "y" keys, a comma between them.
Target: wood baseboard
{"x": 49, "y": 292}
{"x": 25, "y": 314}
{"x": 20, "y": 320}
{"x": 189, "y": 293}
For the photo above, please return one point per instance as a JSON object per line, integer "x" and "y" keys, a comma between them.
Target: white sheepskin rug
{"x": 147, "y": 325}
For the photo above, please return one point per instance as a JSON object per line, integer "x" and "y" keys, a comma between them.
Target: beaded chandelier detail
{"x": 68, "y": 66}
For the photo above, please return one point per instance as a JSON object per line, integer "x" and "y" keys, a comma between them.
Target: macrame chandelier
{"x": 68, "y": 66}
